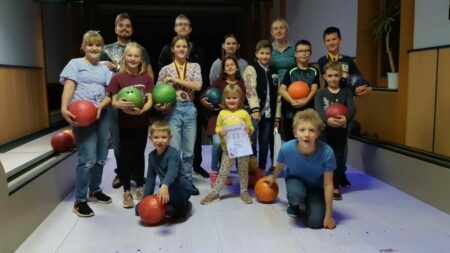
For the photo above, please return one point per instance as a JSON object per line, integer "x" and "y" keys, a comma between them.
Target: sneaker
{"x": 116, "y": 183}
{"x": 100, "y": 197}
{"x": 246, "y": 198}
{"x": 202, "y": 172}
{"x": 210, "y": 198}
{"x": 139, "y": 193}
{"x": 293, "y": 211}
{"x": 337, "y": 194}
{"x": 228, "y": 181}
{"x": 212, "y": 178}
{"x": 195, "y": 191}
{"x": 82, "y": 209}
{"x": 127, "y": 200}
{"x": 182, "y": 214}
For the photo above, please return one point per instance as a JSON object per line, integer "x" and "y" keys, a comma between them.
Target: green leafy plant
{"x": 382, "y": 27}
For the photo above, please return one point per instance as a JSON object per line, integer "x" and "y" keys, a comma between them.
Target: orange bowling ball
{"x": 265, "y": 193}
{"x": 298, "y": 90}
{"x": 151, "y": 210}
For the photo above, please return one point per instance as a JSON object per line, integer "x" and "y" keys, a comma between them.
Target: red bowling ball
{"x": 151, "y": 210}
{"x": 336, "y": 109}
{"x": 61, "y": 142}
{"x": 85, "y": 112}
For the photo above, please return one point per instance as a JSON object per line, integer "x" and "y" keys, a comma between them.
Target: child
{"x": 230, "y": 74}
{"x": 336, "y": 131}
{"x": 133, "y": 121}
{"x": 186, "y": 79}
{"x": 332, "y": 40}
{"x": 230, "y": 47}
{"x": 263, "y": 80}
{"x": 164, "y": 161}
{"x": 232, "y": 113}
{"x": 302, "y": 72}
{"x": 85, "y": 78}
{"x": 310, "y": 164}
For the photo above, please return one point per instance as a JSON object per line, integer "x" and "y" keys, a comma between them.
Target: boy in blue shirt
{"x": 310, "y": 164}
{"x": 164, "y": 161}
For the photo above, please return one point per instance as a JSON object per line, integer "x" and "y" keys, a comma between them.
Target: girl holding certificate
{"x": 231, "y": 114}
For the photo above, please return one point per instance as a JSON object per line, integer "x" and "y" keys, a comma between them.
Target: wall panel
{"x": 420, "y": 99}
{"x": 442, "y": 124}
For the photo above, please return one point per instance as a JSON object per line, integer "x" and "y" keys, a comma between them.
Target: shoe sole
{"x": 99, "y": 201}
{"x": 82, "y": 215}
{"x": 292, "y": 215}
{"x": 127, "y": 207}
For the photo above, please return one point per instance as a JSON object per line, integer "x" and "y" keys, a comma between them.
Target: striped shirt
{"x": 90, "y": 80}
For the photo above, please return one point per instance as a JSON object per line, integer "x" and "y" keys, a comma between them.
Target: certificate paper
{"x": 238, "y": 142}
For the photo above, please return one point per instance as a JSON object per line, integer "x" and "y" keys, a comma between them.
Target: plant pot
{"x": 392, "y": 80}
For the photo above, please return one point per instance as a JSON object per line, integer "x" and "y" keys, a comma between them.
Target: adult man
{"x": 112, "y": 53}
{"x": 196, "y": 54}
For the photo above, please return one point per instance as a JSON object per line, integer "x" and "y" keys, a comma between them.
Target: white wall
{"x": 431, "y": 24}
{"x": 308, "y": 19}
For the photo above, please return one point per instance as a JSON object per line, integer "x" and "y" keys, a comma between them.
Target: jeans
{"x": 183, "y": 123}
{"x": 313, "y": 197}
{"x": 115, "y": 139}
{"x": 132, "y": 148}
{"x": 92, "y": 141}
{"x": 265, "y": 141}
{"x": 216, "y": 153}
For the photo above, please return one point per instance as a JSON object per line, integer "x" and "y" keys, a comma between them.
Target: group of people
{"x": 254, "y": 94}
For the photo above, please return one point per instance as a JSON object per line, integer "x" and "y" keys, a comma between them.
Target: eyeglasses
{"x": 182, "y": 24}
{"x": 303, "y": 51}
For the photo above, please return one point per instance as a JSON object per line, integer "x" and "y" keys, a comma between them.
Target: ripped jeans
{"x": 92, "y": 142}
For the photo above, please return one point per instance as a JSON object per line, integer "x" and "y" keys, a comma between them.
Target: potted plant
{"x": 381, "y": 29}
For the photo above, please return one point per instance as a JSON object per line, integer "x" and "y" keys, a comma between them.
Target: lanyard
{"x": 182, "y": 77}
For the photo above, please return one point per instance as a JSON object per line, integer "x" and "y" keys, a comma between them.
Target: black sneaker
{"x": 182, "y": 214}
{"x": 202, "y": 172}
{"x": 337, "y": 194}
{"x": 82, "y": 209}
{"x": 293, "y": 211}
{"x": 99, "y": 197}
{"x": 116, "y": 183}
{"x": 195, "y": 191}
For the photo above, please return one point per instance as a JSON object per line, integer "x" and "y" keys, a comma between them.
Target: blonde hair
{"x": 233, "y": 89}
{"x": 334, "y": 66}
{"x": 310, "y": 116}
{"x": 91, "y": 38}
{"x": 160, "y": 126}
{"x": 123, "y": 64}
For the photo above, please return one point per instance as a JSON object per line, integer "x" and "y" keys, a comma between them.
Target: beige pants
{"x": 225, "y": 169}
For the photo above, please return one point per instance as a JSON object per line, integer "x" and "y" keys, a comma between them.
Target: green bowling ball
{"x": 131, "y": 94}
{"x": 164, "y": 93}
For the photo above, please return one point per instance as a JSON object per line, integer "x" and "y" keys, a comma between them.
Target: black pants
{"x": 337, "y": 139}
{"x": 132, "y": 148}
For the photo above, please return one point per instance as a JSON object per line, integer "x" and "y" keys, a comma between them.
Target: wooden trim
{"x": 283, "y": 9}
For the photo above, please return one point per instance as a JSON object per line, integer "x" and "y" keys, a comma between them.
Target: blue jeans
{"x": 115, "y": 139}
{"x": 265, "y": 141}
{"x": 183, "y": 123}
{"x": 216, "y": 153}
{"x": 313, "y": 198}
{"x": 92, "y": 141}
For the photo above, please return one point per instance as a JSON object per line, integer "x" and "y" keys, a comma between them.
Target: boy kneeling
{"x": 164, "y": 161}
{"x": 310, "y": 164}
